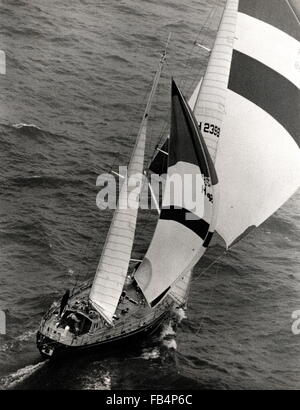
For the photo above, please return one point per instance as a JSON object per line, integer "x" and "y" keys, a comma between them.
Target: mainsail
{"x": 114, "y": 262}
{"x": 184, "y": 229}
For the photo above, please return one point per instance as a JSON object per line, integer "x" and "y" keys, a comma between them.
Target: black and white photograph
{"x": 149, "y": 201}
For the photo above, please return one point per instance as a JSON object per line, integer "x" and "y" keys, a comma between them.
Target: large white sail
{"x": 114, "y": 262}
{"x": 248, "y": 109}
{"x": 258, "y": 156}
{"x": 184, "y": 229}
{"x": 210, "y": 107}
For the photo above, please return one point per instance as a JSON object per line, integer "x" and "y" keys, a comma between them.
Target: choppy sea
{"x": 70, "y": 104}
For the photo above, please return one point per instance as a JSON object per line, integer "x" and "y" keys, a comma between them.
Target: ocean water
{"x": 70, "y": 104}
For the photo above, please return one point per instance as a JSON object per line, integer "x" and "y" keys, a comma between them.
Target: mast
{"x": 114, "y": 262}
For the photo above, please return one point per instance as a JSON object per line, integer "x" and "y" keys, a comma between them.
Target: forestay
{"x": 179, "y": 290}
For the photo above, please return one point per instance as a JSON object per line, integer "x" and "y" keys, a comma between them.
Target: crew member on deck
{"x": 64, "y": 301}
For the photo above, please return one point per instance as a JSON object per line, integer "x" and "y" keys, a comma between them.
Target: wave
{"x": 168, "y": 334}
{"x": 133, "y": 11}
{"x": 118, "y": 58}
{"x": 26, "y": 336}
{"x": 17, "y": 343}
{"x": 170, "y": 344}
{"x": 45, "y": 181}
{"x": 180, "y": 314}
{"x": 31, "y": 129}
{"x": 167, "y": 330}
{"x": 103, "y": 384}
{"x": 149, "y": 354}
{"x": 6, "y": 346}
{"x": 24, "y": 125}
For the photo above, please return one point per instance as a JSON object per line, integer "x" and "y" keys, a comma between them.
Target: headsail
{"x": 114, "y": 262}
{"x": 184, "y": 229}
{"x": 179, "y": 290}
{"x": 258, "y": 157}
{"x": 159, "y": 163}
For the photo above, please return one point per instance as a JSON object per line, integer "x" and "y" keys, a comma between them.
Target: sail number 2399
{"x": 210, "y": 128}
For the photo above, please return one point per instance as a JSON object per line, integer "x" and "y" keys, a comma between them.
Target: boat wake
{"x": 170, "y": 344}
{"x": 179, "y": 314}
{"x": 103, "y": 384}
{"x": 167, "y": 330}
{"x": 149, "y": 354}
{"x": 12, "y": 380}
{"x": 168, "y": 335}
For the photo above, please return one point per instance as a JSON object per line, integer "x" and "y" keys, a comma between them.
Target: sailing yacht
{"x": 238, "y": 137}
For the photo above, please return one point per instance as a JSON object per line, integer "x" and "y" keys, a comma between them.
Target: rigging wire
{"x": 210, "y": 265}
{"x": 201, "y": 32}
{"x": 186, "y": 70}
{"x": 82, "y": 255}
{"x": 212, "y": 290}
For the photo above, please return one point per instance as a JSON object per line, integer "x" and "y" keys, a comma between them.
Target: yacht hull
{"x": 50, "y": 348}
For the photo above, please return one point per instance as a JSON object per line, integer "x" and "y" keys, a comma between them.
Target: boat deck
{"x": 132, "y": 313}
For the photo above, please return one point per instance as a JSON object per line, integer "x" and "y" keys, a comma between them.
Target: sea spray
{"x": 150, "y": 354}
{"x": 98, "y": 383}
{"x": 180, "y": 314}
{"x": 27, "y": 335}
{"x": 12, "y": 380}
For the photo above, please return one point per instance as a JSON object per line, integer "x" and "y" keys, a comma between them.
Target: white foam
{"x": 167, "y": 330}
{"x": 170, "y": 344}
{"x": 29, "y": 334}
{"x": 180, "y": 314}
{"x": 6, "y": 346}
{"x": 26, "y": 335}
{"x": 20, "y": 375}
{"x": 151, "y": 354}
{"x": 107, "y": 381}
{"x": 23, "y": 124}
{"x": 103, "y": 384}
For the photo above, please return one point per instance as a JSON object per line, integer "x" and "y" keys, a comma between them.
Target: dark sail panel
{"x": 277, "y": 13}
{"x": 159, "y": 163}
{"x": 186, "y": 141}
